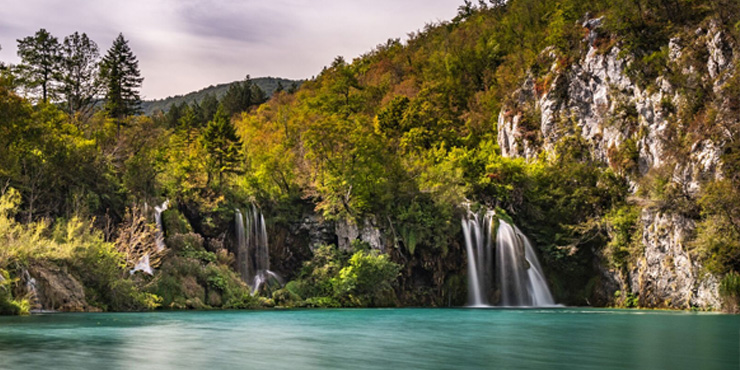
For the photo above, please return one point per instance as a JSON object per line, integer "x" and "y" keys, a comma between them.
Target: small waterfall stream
{"x": 253, "y": 253}
{"x": 144, "y": 264}
{"x": 31, "y": 289}
{"x": 159, "y": 233}
{"x": 518, "y": 275}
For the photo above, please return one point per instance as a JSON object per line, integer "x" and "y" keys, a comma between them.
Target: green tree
{"x": 173, "y": 115}
{"x": 40, "y": 60}
{"x": 188, "y": 122}
{"x": 79, "y": 70}
{"x": 241, "y": 96}
{"x": 207, "y": 109}
{"x": 220, "y": 141}
{"x": 119, "y": 71}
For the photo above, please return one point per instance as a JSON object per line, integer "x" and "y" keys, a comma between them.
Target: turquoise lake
{"x": 559, "y": 338}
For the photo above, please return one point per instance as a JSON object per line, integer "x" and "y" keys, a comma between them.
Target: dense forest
{"x": 364, "y": 172}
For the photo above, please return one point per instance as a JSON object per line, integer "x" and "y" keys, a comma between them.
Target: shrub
{"x": 729, "y": 289}
{"x": 367, "y": 280}
{"x": 717, "y": 239}
{"x": 8, "y": 305}
{"x": 242, "y": 301}
{"x": 627, "y": 299}
{"x": 625, "y": 234}
{"x": 185, "y": 242}
{"x": 322, "y": 302}
{"x": 286, "y": 298}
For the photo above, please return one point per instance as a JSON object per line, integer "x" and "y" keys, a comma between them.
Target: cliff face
{"x": 596, "y": 98}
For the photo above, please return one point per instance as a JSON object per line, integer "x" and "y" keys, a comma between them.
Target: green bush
{"x": 243, "y": 301}
{"x": 367, "y": 280}
{"x": 286, "y": 298}
{"x": 317, "y": 273}
{"x": 729, "y": 289}
{"x": 8, "y": 305}
{"x": 14, "y": 307}
{"x": 717, "y": 240}
{"x": 627, "y": 299}
{"x": 321, "y": 302}
{"x": 174, "y": 222}
{"x": 625, "y": 233}
{"x": 185, "y": 242}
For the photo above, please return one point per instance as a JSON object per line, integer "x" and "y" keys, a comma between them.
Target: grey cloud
{"x": 234, "y": 21}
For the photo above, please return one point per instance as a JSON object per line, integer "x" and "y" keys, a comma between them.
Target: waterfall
{"x": 159, "y": 233}
{"x": 253, "y": 253}
{"x": 479, "y": 246}
{"x": 31, "y": 289}
{"x": 518, "y": 274}
{"x": 144, "y": 264}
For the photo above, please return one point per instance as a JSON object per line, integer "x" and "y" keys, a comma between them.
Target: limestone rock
{"x": 347, "y": 231}
{"x": 318, "y": 229}
{"x": 666, "y": 276}
{"x": 58, "y": 290}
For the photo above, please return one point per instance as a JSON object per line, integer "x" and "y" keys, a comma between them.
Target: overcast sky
{"x": 185, "y": 45}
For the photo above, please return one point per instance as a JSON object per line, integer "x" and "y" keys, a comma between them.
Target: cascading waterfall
{"x": 144, "y": 265}
{"x": 518, "y": 274}
{"x": 253, "y": 251}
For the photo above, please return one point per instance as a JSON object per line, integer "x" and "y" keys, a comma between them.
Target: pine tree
{"x": 220, "y": 141}
{"x": 119, "y": 71}
{"x": 40, "y": 60}
{"x": 241, "y": 96}
{"x": 81, "y": 84}
{"x": 207, "y": 109}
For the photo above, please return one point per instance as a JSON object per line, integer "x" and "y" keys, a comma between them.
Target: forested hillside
{"x": 267, "y": 84}
{"x": 605, "y": 130}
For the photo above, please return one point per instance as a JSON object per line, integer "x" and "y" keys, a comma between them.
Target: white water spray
{"x": 143, "y": 265}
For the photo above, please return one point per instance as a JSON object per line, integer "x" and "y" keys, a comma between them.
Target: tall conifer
{"x": 119, "y": 71}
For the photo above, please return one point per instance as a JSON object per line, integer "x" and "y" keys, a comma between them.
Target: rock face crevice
{"x": 596, "y": 98}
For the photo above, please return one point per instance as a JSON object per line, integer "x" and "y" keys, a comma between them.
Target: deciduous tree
{"x": 220, "y": 141}
{"x": 79, "y": 69}
{"x": 40, "y": 60}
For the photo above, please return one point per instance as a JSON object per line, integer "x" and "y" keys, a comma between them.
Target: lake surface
{"x": 563, "y": 338}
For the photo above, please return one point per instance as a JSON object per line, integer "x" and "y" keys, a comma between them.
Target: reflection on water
{"x": 373, "y": 339}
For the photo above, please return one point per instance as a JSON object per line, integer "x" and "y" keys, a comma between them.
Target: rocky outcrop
{"x": 319, "y": 231}
{"x": 665, "y": 275}
{"x": 596, "y": 98}
{"x": 348, "y": 231}
{"x": 58, "y": 290}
